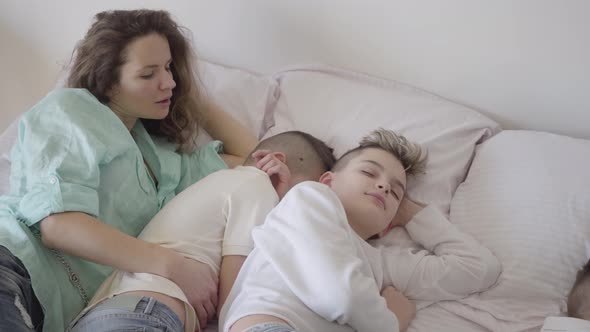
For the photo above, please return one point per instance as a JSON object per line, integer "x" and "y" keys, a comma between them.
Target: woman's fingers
{"x": 201, "y": 316}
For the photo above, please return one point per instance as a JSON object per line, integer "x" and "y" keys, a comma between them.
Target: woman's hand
{"x": 199, "y": 283}
{"x": 402, "y": 308}
{"x": 79, "y": 234}
{"x": 274, "y": 164}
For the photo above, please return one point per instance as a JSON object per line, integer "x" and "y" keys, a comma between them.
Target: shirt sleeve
{"x": 307, "y": 241}
{"x": 452, "y": 264}
{"x": 202, "y": 162}
{"x": 247, "y": 207}
{"x": 58, "y": 158}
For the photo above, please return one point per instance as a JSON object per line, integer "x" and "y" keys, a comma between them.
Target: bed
{"x": 524, "y": 194}
{"x": 523, "y": 191}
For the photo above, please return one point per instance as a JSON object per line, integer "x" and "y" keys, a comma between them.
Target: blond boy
{"x": 312, "y": 269}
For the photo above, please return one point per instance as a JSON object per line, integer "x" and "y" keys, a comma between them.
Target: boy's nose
{"x": 383, "y": 187}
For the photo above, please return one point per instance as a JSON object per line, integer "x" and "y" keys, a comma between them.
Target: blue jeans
{"x": 20, "y": 309}
{"x": 270, "y": 327}
{"x": 129, "y": 313}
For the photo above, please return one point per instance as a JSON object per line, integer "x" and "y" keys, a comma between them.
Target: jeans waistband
{"x": 126, "y": 302}
{"x": 145, "y": 305}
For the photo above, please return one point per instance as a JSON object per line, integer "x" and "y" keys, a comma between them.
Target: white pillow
{"x": 244, "y": 95}
{"x": 527, "y": 198}
{"x": 340, "y": 107}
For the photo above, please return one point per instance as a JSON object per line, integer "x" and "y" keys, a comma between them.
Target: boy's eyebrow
{"x": 374, "y": 163}
{"x": 396, "y": 181}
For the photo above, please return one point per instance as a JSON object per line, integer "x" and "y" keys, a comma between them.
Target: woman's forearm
{"x": 78, "y": 234}
{"x": 237, "y": 140}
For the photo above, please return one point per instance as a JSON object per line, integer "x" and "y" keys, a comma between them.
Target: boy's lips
{"x": 380, "y": 198}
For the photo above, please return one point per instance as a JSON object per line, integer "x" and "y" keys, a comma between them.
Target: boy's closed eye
{"x": 367, "y": 173}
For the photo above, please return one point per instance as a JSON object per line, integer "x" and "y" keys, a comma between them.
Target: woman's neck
{"x": 128, "y": 121}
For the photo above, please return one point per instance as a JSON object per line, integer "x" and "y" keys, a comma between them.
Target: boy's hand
{"x": 404, "y": 309}
{"x": 273, "y": 164}
{"x": 406, "y": 211}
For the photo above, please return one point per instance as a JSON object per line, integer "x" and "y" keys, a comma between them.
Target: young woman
{"x": 96, "y": 161}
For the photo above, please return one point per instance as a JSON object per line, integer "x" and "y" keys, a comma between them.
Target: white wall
{"x": 524, "y": 63}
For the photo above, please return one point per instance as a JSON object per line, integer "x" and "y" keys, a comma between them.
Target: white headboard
{"x": 525, "y": 63}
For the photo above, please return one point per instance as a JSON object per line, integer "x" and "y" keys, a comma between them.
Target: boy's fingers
{"x": 276, "y": 169}
{"x": 260, "y": 163}
{"x": 260, "y": 153}
{"x": 267, "y": 165}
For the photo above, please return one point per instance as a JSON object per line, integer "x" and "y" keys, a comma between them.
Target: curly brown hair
{"x": 99, "y": 56}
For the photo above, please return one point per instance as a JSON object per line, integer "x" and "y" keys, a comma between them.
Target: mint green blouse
{"x": 74, "y": 154}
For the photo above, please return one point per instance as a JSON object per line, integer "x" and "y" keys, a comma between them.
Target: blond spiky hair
{"x": 409, "y": 154}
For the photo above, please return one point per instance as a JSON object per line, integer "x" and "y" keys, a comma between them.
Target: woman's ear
{"x": 113, "y": 91}
{"x": 327, "y": 178}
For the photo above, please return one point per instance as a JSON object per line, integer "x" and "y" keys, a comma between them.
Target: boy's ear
{"x": 327, "y": 178}
{"x": 280, "y": 156}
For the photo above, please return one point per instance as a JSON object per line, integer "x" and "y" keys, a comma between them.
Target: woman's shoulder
{"x": 74, "y": 114}
{"x": 67, "y": 101}
{"x": 71, "y": 108}
{"x": 71, "y": 93}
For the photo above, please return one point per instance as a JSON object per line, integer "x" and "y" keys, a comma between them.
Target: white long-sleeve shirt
{"x": 312, "y": 270}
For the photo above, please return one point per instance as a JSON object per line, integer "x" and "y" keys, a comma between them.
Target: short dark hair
{"x": 305, "y": 153}
{"x": 578, "y": 302}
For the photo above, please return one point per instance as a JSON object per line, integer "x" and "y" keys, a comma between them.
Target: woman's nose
{"x": 168, "y": 82}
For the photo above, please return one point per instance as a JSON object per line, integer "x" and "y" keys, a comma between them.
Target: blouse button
{"x": 52, "y": 180}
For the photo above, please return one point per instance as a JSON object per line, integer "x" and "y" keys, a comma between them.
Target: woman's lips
{"x": 165, "y": 102}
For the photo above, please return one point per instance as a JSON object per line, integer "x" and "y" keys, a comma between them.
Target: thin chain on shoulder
{"x": 73, "y": 277}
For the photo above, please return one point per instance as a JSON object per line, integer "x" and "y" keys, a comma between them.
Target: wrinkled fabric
{"x": 74, "y": 154}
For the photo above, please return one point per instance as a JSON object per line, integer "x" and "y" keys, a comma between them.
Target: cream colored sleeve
{"x": 247, "y": 208}
{"x": 452, "y": 264}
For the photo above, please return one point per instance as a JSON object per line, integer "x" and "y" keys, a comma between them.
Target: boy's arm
{"x": 453, "y": 265}
{"x": 308, "y": 243}
{"x": 230, "y": 267}
{"x": 246, "y": 207}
